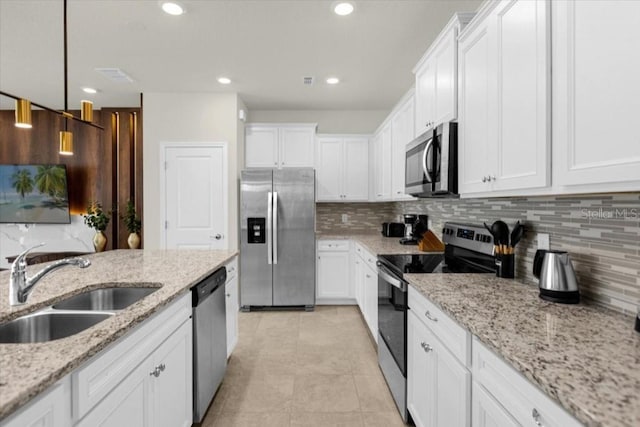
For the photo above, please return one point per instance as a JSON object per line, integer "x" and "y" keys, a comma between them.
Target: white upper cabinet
{"x": 596, "y": 95}
{"x": 342, "y": 168}
{"x": 279, "y": 145}
{"x": 436, "y": 78}
{"x": 382, "y": 167}
{"x": 504, "y": 120}
{"x": 402, "y": 132}
{"x": 473, "y": 126}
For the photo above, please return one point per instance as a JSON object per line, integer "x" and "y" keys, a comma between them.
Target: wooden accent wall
{"x": 106, "y": 165}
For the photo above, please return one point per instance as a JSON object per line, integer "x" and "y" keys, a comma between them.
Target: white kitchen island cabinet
{"x": 596, "y": 95}
{"x": 232, "y": 305}
{"x": 504, "y": 98}
{"x": 144, "y": 380}
{"x": 270, "y": 145}
{"x": 51, "y": 409}
{"x": 342, "y": 168}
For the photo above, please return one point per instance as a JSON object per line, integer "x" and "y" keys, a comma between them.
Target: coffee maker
{"x": 414, "y": 227}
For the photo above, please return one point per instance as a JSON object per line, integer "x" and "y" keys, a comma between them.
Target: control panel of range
{"x": 468, "y": 236}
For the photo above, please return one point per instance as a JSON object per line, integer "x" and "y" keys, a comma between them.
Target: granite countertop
{"x": 28, "y": 369}
{"x": 585, "y": 357}
{"x": 375, "y": 242}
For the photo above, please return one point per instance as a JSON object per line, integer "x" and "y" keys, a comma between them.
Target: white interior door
{"x": 195, "y": 197}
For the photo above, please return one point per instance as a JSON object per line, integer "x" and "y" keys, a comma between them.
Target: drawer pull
{"x": 430, "y": 317}
{"x": 426, "y": 347}
{"x": 536, "y": 417}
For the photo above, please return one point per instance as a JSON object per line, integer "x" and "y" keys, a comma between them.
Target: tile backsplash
{"x": 601, "y": 232}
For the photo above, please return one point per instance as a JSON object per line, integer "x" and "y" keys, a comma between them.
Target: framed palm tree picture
{"x": 34, "y": 194}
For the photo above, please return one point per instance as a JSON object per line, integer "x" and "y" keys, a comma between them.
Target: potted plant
{"x": 97, "y": 219}
{"x": 133, "y": 223}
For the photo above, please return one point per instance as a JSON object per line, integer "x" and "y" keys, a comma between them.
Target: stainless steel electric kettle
{"x": 558, "y": 281}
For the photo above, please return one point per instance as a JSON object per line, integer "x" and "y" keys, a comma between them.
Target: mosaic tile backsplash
{"x": 601, "y": 232}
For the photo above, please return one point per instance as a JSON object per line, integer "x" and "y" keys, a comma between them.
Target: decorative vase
{"x": 134, "y": 241}
{"x": 99, "y": 241}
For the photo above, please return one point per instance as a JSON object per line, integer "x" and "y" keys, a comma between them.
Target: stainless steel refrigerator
{"x": 277, "y": 232}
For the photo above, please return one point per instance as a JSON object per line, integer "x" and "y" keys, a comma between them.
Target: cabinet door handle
{"x": 484, "y": 179}
{"x": 430, "y": 317}
{"x": 228, "y": 295}
{"x": 368, "y": 277}
{"x": 155, "y": 372}
{"x": 162, "y": 367}
{"x": 536, "y": 417}
{"x": 426, "y": 347}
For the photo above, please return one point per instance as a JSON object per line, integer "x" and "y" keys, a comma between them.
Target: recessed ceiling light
{"x": 89, "y": 90}
{"x": 172, "y": 8}
{"x": 333, "y": 80}
{"x": 224, "y": 80}
{"x": 343, "y": 8}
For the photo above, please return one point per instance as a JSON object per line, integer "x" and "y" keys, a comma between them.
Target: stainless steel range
{"x": 468, "y": 249}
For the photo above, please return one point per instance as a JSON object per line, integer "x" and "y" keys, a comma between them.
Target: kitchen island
{"x": 28, "y": 369}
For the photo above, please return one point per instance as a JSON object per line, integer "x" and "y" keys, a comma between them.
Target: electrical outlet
{"x": 345, "y": 218}
{"x": 543, "y": 241}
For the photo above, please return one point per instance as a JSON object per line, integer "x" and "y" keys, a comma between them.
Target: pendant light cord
{"x": 66, "y": 105}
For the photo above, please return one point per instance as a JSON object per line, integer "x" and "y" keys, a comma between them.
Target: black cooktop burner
{"x": 427, "y": 263}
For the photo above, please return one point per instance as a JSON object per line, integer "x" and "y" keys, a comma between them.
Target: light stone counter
{"x": 586, "y": 358}
{"x": 375, "y": 243}
{"x": 28, "y": 369}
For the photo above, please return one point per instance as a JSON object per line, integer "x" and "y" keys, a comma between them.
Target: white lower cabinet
{"x": 523, "y": 401}
{"x": 51, "y": 409}
{"x": 487, "y": 412}
{"x": 332, "y": 268}
{"x": 158, "y": 392}
{"x": 232, "y": 305}
{"x": 366, "y": 287}
{"x": 438, "y": 385}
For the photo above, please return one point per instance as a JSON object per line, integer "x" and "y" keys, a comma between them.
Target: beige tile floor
{"x": 307, "y": 369}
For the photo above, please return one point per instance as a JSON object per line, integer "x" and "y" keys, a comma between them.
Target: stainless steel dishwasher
{"x": 209, "y": 340}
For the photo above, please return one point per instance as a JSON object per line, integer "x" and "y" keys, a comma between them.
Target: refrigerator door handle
{"x": 274, "y": 232}
{"x": 269, "y": 229}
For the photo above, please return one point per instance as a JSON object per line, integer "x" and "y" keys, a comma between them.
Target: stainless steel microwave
{"x": 431, "y": 168}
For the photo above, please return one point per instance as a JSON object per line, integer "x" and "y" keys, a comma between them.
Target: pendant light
{"x": 23, "y": 106}
{"x": 23, "y": 113}
{"x": 86, "y": 111}
{"x": 66, "y": 143}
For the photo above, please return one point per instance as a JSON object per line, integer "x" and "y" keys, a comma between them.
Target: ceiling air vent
{"x": 115, "y": 75}
{"x": 307, "y": 81}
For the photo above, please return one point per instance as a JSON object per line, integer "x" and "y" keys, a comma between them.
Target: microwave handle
{"x": 427, "y": 172}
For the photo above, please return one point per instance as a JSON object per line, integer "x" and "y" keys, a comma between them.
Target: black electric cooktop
{"x": 428, "y": 263}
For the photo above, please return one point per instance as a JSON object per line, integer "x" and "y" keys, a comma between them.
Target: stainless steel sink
{"x": 105, "y": 299}
{"x": 48, "y": 326}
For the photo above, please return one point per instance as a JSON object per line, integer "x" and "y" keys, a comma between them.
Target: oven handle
{"x": 388, "y": 277}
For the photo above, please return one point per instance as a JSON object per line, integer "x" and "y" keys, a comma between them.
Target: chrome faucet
{"x": 21, "y": 286}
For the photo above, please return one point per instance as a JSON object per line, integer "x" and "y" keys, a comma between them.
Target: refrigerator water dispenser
{"x": 256, "y": 230}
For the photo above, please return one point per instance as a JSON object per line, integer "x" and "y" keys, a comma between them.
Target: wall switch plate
{"x": 345, "y": 218}
{"x": 543, "y": 241}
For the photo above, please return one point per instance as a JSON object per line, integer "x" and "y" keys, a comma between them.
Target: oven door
{"x": 419, "y": 165}
{"x": 392, "y": 315}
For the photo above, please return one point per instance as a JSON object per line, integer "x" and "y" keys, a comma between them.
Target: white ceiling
{"x": 264, "y": 46}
